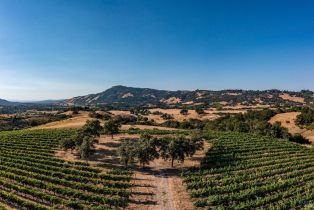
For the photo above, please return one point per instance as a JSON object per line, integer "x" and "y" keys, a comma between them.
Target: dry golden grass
{"x": 233, "y": 94}
{"x": 76, "y": 121}
{"x": 288, "y": 97}
{"x": 118, "y": 112}
{"x": 149, "y": 127}
{"x": 171, "y": 100}
{"x": 247, "y": 107}
{"x": 179, "y": 117}
{"x": 210, "y": 114}
{"x": 287, "y": 120}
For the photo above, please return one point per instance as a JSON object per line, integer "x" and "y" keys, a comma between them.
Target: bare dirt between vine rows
{"x": 157, "y": 187}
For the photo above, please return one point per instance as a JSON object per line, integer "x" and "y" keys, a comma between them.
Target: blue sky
{"x": 53, "y": 49}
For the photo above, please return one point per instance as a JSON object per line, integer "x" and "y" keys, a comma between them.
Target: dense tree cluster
{"x": 111, "y": 127}
{"x": 100, "y": 115}
{"x": 199, "y": 110}
{"x": 166, "y": 116}
{"x": 250, "y": 122}
{"x": 86, "y": 137}
{"x": 185, "y": 124}
{"x": 184, "y": 111}
{"x": 147, "y": 148}
{"x": 139, "y": 111}
{"x": 306, "y": 117}
{"x": 26, "y": 121}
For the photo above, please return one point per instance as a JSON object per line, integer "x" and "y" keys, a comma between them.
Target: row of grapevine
{"x": 243, "y": 171}
{"x": 31, "y": 177}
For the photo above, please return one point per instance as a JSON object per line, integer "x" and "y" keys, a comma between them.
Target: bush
{"x": 298, "y": 138}
{"x": 306, "y": 117}
{"x": 199, "y": 111}
{"x": 184, "y": 111}
{"x": 250, "y": 122}
{"x": 166, "y": 116}
{"x": 171, "y": 124}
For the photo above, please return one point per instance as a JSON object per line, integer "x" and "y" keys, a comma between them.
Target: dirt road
{"x": 160, "y": 187}
{"x": 157, "y": 187}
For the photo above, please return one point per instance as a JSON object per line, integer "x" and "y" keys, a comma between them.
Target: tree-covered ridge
{"x": 125, "y": 97}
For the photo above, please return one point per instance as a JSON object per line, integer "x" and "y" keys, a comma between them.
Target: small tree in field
{"x": 85, "y": 149}
{"x": 179, "y": 148}
{"x": 146, "y": 150}
{"x": 92, "y": 128}
{"x": 184, "y": 111}
{"x": 84, "y": 139}
{"x": 68, "y": 143}
{"x": 197, "y": 140}
{"x": 199, "y": 111}
{"x": 127, "y": 152}
{"x": 111, "y": 127}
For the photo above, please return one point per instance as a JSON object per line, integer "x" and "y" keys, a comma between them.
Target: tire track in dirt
{"x": 164, "y": 193}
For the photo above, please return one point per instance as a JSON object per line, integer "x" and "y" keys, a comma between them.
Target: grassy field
{"x": 243, "y": 171}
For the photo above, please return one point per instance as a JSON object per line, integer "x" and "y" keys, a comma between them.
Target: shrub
{"x": 298, "y": 138}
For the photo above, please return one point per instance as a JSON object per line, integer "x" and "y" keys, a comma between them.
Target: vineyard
{"x": 242, "y": 171}
{"x": 31, "y": 177}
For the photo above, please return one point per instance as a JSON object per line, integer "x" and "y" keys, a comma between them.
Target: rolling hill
{"x": 6, "y": 103}
{"x": 130, "y": 96}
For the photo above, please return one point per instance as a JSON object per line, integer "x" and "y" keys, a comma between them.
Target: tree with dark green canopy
{"x": 127, "y": 151}
{"x": 84, "y": 139}
{"x": 146, "y": 150}
{"x": 180, "y": 147}
{"x": 92, "y": 128}
{"x": 184, "y": 111}
{"x": 68, "y": 143}
{"x": 111, "y": 127}
{"x": 199, "y": 111}
{"x": 85, "y": 149}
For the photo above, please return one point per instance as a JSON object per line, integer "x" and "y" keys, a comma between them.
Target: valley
{"x": 68, "y": 180}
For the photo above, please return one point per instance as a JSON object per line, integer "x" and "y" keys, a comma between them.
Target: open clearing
{"x": 287, "y": 120}
{"x": 76, "y": 121}
{"x": 288, "y": 97}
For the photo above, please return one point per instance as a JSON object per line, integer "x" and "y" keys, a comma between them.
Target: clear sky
{"x": 52, "y": 49}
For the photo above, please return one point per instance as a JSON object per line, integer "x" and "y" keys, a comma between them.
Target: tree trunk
{"x": 172, "y": 162}
{"x": 111, "y": 136}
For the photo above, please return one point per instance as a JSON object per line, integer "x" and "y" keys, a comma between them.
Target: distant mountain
{"x": 122, "y": 96}
{"x": 47, "y": 102}
{"x": 6, "y": 103}
{"x": 30, "y": 103}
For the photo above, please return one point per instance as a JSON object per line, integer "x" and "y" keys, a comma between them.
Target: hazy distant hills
{"x": 6, "y": 103}
{"x": 130, "y": 96}
{"x": 123, "y": 97}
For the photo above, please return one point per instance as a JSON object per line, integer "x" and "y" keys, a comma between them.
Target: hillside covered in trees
{"x": 121, "y": 96}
